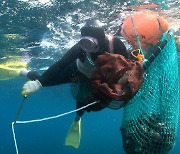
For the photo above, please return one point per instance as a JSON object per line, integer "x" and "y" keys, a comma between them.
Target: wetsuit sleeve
{"x": 33, "y": 75}
{"x": 51, "y": 76}
{"x": 119, "y": 47}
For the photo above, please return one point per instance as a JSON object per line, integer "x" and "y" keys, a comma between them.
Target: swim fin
{"x": 73, "y": 137}
{"x": 11, "y": 70}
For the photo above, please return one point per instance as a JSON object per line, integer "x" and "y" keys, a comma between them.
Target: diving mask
{"x": 89, "y": 44}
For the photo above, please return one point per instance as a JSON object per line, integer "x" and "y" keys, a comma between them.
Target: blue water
{"x": 100, "y": 131}
{"x": 45, "y": 30}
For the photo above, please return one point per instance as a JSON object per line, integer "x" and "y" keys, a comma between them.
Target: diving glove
{"x": 31, "y": 87}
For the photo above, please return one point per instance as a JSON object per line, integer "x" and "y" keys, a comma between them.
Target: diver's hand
{"x": 31, "y": 87}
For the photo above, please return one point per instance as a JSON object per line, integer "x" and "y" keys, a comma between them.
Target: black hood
{"x": 94, "y": 28}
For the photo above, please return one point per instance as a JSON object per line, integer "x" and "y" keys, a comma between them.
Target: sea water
{"x": 41, "y": 31}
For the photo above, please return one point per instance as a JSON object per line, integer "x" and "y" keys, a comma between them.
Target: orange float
{"x": 148, "y": 25}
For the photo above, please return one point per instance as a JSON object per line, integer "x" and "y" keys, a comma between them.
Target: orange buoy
{"x": 148, "y": 25}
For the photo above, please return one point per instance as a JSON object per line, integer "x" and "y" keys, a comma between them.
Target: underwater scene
{"x": 34, "y": 34}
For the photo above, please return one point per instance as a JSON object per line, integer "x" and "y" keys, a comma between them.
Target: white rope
{"x": 43, "y": 119}
{"x": 14, "y": 137}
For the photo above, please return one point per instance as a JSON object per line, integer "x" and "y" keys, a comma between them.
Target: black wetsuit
{"x": 65, "y": 69}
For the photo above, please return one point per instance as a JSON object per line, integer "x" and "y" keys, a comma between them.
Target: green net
{"x": 150, "y": 118}
{"x": 80, "y": 90}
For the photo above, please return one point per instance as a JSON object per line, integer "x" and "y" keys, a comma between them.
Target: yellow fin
{"x": 11, "y": 70}
{"x": 73, "y": 137}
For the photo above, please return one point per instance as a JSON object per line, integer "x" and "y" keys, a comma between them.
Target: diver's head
{"x": 148, "y": 25}
{"x": 92, "y": 36}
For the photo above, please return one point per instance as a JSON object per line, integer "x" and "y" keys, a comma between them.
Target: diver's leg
{"x": 79, "y": 113}
{"x": 73, "y": 137}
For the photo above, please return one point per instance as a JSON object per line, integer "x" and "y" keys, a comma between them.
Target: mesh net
{"x": 150, "y": 118}
{"x": 80, "y": 90}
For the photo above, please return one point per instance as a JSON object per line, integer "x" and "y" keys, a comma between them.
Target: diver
{"x": 76, "y": 67}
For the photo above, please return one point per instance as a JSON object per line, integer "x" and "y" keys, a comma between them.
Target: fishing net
{"x": 80, "y": 90}
{"x": 150, "y": 118}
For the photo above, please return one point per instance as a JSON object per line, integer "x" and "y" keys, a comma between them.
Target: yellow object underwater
{"x": 73, "y": 137}
{"x": 10, "y": 70}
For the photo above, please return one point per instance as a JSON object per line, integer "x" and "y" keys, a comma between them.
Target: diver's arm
{"x": 50, "y": 76}
{"x": 119, "y": 47}
{"x": 33, "y": 75}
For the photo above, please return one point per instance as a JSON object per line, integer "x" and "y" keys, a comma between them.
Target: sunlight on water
{"x": 34, "y": 3}
{"x": 41, "y": 32}
{"x": 45, "y": 43}
{"x": 55, "y": 25}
